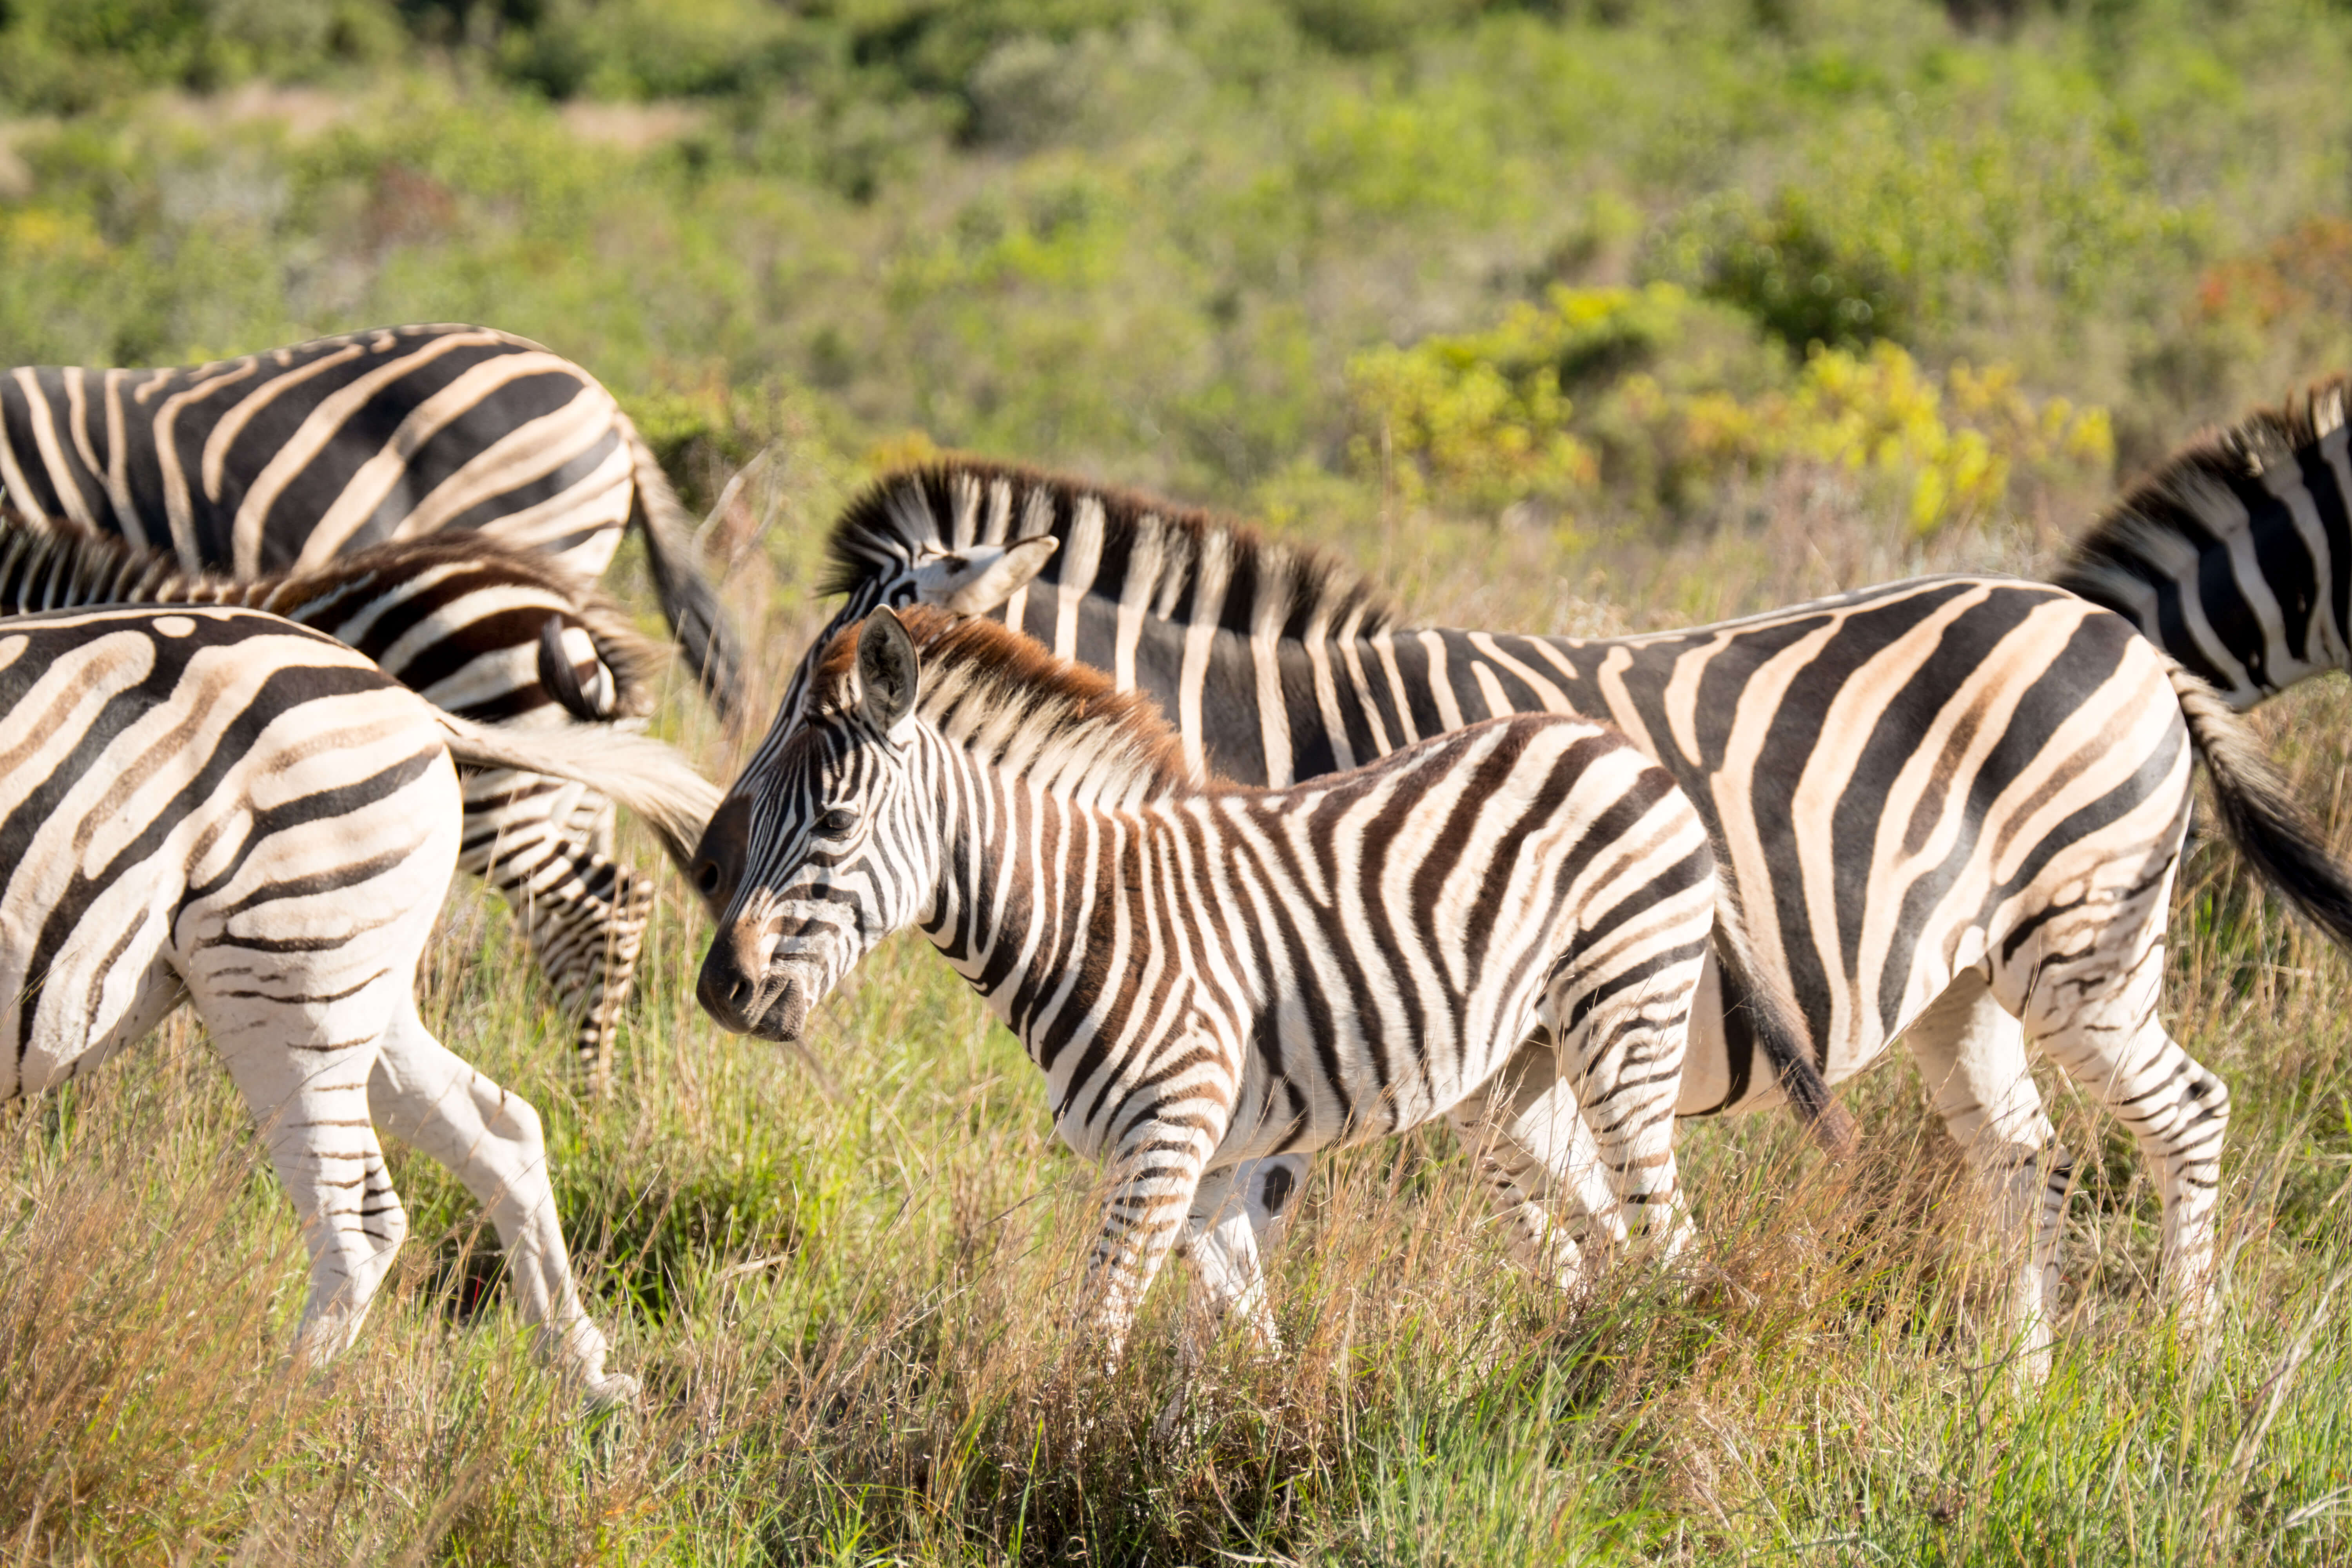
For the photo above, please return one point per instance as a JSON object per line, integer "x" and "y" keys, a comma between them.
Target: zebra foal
{"x": 218, "y": 806}
{"x": 479, "y": 631}
{"x": 1210, "y": 973}
{"x": 1951, "y": 809}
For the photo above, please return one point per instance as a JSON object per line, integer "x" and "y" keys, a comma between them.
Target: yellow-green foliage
{"x": 1480, "y": 421}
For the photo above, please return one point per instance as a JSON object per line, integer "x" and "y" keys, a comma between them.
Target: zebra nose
{"x": 734, "y": 976}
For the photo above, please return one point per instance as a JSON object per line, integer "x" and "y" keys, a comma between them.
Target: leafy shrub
{"x": 1786, "y": 264}
{"x": 1482, "y": 421}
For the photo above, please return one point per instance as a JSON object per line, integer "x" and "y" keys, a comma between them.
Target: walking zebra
{"x": 216, "y": 805}
{"x": 1209, "y": 973}
{"x": 284, "y": 460}
{"x": 1951, "y": 808}
{"x": 477, "y": 630}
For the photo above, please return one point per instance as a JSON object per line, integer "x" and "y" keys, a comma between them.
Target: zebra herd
{"x": 286, "y": 639}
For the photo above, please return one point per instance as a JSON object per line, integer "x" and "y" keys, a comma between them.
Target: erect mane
{"x": 2189, "y": 502}
{"x": 959, "y": 502}
{"x": 82, "y": 566}
{"x": 1008, "y": 700}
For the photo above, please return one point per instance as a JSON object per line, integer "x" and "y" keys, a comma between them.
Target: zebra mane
{"x": 1009, "y": 701}
{"x": 48, "y": 563}
{"x": 2170, "y": 516}
{"x": 958, "y": 501}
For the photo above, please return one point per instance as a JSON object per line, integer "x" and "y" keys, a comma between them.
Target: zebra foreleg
{"x": 1221, "y": 1241}
{"x": 1157, "y": 1173}
{"x": 1971, "y": 1055}
{"x": 490, "y": 1138}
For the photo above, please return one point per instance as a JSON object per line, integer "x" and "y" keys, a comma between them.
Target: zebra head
{"x": 972, "y": 580}
{"x": 827, "y": 844}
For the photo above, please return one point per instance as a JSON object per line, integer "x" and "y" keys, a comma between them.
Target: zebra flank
{"x": 483, "y": 632}
{"x": 1951, "y": 809}
{"x": 286, "y": 461}
{"x": 217, "y": 805}
{"x": 1207, "y": 974}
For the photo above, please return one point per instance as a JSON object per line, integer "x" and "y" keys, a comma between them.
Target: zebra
{"x": 282, "y": 461}
{"x": 215, "y": 805}
{"x": 1952, "y": 808}
{"x": 483, "y": 632}
{"x": 1209, "y": 973}
{"x": 2235, "y": 555}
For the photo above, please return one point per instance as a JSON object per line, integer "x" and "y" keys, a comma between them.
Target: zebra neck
{"x": 1037, "y": 897}
{"x": 40, "y": 571}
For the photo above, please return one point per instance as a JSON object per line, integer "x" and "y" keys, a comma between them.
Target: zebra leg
{"x": 308, "y": 1096}
{"x": 1971, "y": 1055}
{"x": 1158, "y": 1167}
{"x": 2105, "y": 1032}
{"x": 1526, "y": 1137}
{"x": 1221, "y": 1240}
{"x": 490, "y": 1138}
{"x": 584, "y": 916}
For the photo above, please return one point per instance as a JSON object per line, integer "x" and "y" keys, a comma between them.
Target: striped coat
{"x": 1210, "y": 974}
{"x": 481, "y": 631}
{"x": 218, "y": 806}
{"x": 1952, "y": 808}
{"x": 288, "y": 459}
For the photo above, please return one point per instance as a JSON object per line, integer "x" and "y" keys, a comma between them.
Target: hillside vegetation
{"x": 1576, "y": 316}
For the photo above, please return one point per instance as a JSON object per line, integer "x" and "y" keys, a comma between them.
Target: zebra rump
{"x": 217, "y": 805}
{"x": 285, "y": 459}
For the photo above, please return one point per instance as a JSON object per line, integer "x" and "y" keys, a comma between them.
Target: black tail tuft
{"x": 2274, "y": 834}
{"x": 687, "y": 596}
{"x": 1774, "y": 1018}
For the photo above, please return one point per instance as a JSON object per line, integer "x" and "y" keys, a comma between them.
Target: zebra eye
{"x": 836, "y": 822}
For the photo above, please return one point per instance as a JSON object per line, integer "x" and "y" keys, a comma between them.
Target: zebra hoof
{"x": 611, "y": 1390}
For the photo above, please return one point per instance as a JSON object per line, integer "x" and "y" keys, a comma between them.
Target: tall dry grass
{"x": 845, "y": 1276}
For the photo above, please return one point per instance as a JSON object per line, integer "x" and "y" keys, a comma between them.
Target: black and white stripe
{"x": 288, "y": 459}
{"x": 1952, "y": 808}
{"x": 481, "y": 632}
{"x": 217, "y": 805}
{"x": 1210, "y": 974}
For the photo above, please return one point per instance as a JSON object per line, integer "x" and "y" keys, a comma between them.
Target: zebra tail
{"x": 650, "y": 778}
{"x": 2259, "y": 812}
{"x": 686, "y": 596}
{"x": 1772, "y": 1015}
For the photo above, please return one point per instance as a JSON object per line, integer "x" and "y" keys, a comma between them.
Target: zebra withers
{"x": 1209, "y": 973}
{"x": 1950, "y": 808}
{"x": 218, "y": 806}
{"x": 284, "y": 460}
{"x": 483, "y": 632}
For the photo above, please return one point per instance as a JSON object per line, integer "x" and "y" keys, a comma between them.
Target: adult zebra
{"x": 1951, "y": 808}
{"x": 479, "y": 631}
{"x": 2235, "y": 555}
{"x": 1208, "y": 975}
{"x": 286, "y": 459}
{"x": 216, "y": 805}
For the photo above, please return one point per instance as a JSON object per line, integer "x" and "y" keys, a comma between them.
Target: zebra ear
{"x": 975, "y": 581}
{"x": 888, "y": 672}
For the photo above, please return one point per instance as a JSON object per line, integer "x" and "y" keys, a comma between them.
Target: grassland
{"x": 1576, "y": 317}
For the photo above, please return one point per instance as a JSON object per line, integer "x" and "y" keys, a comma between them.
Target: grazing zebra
{"x": 287, "y": 459}
{"x": 2235, "y": 556}
{"x": 482, "y": 632}
{"x": 1951, "y": 808}
{"x": 219, "y": 806}
{"x": 1211, "y": 974}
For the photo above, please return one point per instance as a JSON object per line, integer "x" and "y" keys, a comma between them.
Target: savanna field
{"x": 1572, "y": 317}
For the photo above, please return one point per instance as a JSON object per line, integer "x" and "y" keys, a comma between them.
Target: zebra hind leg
{"x": 491, "y": 1140}
{"x": 1527, "y": 1140}
{"x": 1971, "y": 1055}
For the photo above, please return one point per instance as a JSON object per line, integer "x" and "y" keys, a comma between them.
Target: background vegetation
{"x": 1579, "y": 316}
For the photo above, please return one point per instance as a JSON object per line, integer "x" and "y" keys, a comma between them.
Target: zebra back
{"x": 471, "y": 625}
{"x": 288, "y": 459}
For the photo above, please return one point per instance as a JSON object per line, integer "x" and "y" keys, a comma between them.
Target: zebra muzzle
{"x": 745, "y": 995}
